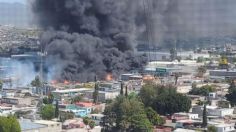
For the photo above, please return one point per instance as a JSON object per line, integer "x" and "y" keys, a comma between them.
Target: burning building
{"x": 88, "y": 38}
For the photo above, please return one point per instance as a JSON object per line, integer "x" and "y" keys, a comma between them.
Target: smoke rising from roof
{"x": 89, "y": 37}
{"x": 98, "y": 36}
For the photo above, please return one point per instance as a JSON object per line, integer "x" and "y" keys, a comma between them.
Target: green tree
{"x": 150, "y": 92}
{"x": 153, "y": 117}
{"x": 200, "y": 59}
{"x": 77, "y": 98}
{"x": 1, "y": 85}
{"x": 36, "y": 82}
{"x": 47, "y": 112}
{"x": 126, "y": 91}
{"x": 128, "y": 114}
{"x": 9, "y": 124}
{"x": 86, "y": 120}
{"x": 49, "y": 99}
{"x": 172, "y": 103}
{"x": 204, "y": 90}
{"x": 91, "y": 124}
{"x": 204, "y": 117}
{"x": 121, "y": 88}
{"x": 231, "y": 97}
{"x": 232, "y": 86}
{"x": 96, "y": 92}
{"x": 56, "y": 110}
{"x": 66, "y": 115}
{"x": 211, "y": 129}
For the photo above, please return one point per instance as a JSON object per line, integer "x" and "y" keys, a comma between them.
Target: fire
{"x": 66, "y": 82}
{"x": 54, "y": 82}
{"x": 148, "y": 77}
{"x": 109, "y": 77}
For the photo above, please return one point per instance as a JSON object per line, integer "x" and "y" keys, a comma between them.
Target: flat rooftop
{"x": 71, "y": 90}
{"x": 46, "y": 122}
{"x": 28, "y": 125}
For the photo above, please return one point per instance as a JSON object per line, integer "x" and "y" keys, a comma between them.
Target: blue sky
{"x": 13, "y": 1}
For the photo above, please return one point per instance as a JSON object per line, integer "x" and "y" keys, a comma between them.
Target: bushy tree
{"x": 151, "y": 91}
{"x": 92, "y": 124}
{"x": 47, "y": 112}
{"x": 204, "y": 90}
{"x": 36, "y": 82}
{"x": 9, "y": 124}
{"x": 164, "y": 99}
{"x": 128, "y": 114}
{"x": 231, "y": 96}
{"x": 211, "y": 129}
{"x": 153, "y": 117}
{"x": 66, "y": 115}
{"x": 49, "y": 99}
{"x": 88, "y": 121}
{"x": 172, "y": 103}
{"x": 148, "y": 94}
{"x": 77, "y": 98}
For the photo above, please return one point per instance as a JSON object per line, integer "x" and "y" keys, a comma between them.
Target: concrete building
{"x": 225, "y": 127}
{"x": 97, "y": 118}
{"x": 103, "y": 95}
{"x": 60, "y": 94}
{"x": 184, "y": 116}
{"x": 222, "y": 74}
{"x": 16, "y": 100}
{"x": 222, "y": 126}
{"x": 40, "y": 126}
{"x": 213, "y": 111}
{"x": 80, "y": 110}
{"x": 221, "y": 112}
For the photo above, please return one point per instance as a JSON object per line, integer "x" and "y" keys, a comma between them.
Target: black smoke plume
{"x": 87, "y": 37}
{"x": 98, "y": 36}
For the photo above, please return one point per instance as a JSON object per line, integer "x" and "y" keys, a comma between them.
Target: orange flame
{"x": 54, "y": 82}
{"x": 148, "y": 77}
{"x": 109, "y": 77}
{"x": 66, "y": 82}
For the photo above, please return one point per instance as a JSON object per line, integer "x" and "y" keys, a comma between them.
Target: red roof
{"x": 84, "y": 104}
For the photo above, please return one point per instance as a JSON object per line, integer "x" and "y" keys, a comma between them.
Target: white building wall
{"x": 227, "y": 128}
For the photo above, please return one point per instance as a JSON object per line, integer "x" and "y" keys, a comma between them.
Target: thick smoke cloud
{"x": 192, "y": 19}
{"x": 89, "y": 37}
{"x": 97, "y": 36}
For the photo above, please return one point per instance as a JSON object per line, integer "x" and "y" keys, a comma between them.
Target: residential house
{"x": 66, "y": 93}
{"x": 16, "y": 100}
{"x": 40, "y": 126}
{"x": 80, "y": 109}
